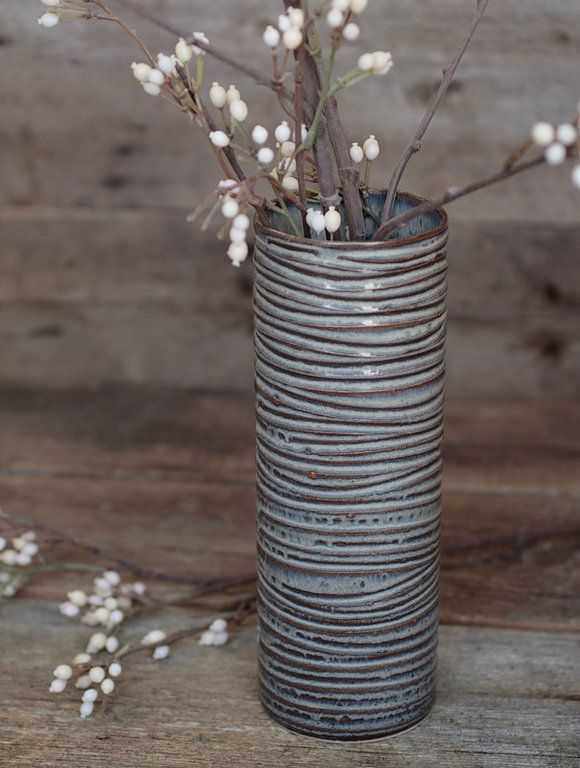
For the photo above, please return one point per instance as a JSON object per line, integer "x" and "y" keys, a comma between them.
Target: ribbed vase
{"x": 349, "y": 396}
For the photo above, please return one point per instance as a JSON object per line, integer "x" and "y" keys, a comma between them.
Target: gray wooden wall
{"x": 103, "y": 280}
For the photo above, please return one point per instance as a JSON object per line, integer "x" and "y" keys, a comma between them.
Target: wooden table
{"x": 165, "y": 477}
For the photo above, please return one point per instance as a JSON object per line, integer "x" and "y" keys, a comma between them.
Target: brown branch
{"x": 334, "y": 131}
{"x": 298, "y": 120}
{"x": 349, "y": 175}
{"x": 323, "y": 154}
{"x": 143, "y": 572}
{"x": 454, "y": 193}
{"x": 211, "y": 49}
{"x": 415, "y": 143}
{"x": 241, "y": 610}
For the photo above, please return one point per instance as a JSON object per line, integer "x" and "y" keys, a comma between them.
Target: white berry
{"x": 219, "y": 625}
{"x": 96, "y": 674}
{"x": 112, "y": 644}
{"x": 317, "y": 222}
{"x": 155, "y": 636}
{"x": 239, "y": 110}
{"x": 217, "y": 95}
{"x": 543, "y": 134}
{"x": 183, "y": 51}
{"x": 57, "y": 686}
{"x": 238, "y": 251}
{"x": 86, "y": 710}
{"x": 232, "y": 94}
{"x": 83, "y": 682}
{"x": 91, "y": 694}
{"x": 260, "y": 134}
{"x": 271, "y": 37}
{"x": 332, "y": 219}
{"x": 96, "y": 642}
{"x": 371, "y": 148}
{"x": 161, "y": 652}
{"x": 334, "y": 18}
{"x": 292, "y": 38}
{"x": 230, "y": 208}
{"x": 567, "y": 134}
{"x": 358, "y": 6}
{"x": 219, "y": 139}
{"x": 351, "y": 32}
{"x": 152, "y": 89}
{"x": 63, "y": 672}
{"x": 48, "y": 20}
{"x": 115, "y": 669}
{"x": 242, "y": 221}
{"x": 555, "y": 154}
{"x": 166, "y": 64}
{"x": 282, "y": 132}
{"x": 382, "y": 62}
{"x": 265, "y": 155}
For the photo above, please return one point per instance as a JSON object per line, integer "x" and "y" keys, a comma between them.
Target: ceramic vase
{"x": 349, "y": 341}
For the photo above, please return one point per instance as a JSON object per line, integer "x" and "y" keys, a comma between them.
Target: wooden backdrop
{"x": 104, "y": 281}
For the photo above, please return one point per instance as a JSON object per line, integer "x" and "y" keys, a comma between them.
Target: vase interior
{"x": 421, "y": 225}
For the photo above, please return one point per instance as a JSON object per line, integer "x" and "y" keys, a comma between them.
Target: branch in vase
{"x": 323, "y": 154}
{"x": 454, "y": 193}
{"x": 339, "y": 143}
{"x": 415, "y": 143}
{"x": 349, "y": 176}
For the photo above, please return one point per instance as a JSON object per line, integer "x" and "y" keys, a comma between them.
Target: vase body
{"x": 349, "y": 402}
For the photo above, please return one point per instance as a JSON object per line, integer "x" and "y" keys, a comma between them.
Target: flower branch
{"x": 415, "y": 143}
{"x": 454, "y": 193}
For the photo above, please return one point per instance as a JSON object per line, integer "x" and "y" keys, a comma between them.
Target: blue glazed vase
{"x": 350, "y": 366}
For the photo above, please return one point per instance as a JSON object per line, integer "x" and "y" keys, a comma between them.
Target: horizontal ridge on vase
{"x": 349, "y": 340}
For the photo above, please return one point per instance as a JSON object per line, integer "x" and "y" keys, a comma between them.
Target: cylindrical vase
{"x": 349, "y": 341}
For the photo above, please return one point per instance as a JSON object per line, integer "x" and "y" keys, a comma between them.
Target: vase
{"x": 349, "y": 341}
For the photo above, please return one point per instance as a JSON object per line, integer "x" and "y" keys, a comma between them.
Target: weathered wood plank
{"x": 93, "y": 296}
{"x": 176, "y": 476}
{"x": 508, "y": 560}
{"x": 165, "y": 433}
{"x": 59, "y": 148}
{"x": 503, "y": 696}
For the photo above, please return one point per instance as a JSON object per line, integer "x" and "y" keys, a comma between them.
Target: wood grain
{"x": 166, "y": 477}
{"x": 503, "y": 696}
{"x": 511, "y": 491}
{"x": 143, "y": 297}
{"x": 59, "y": 148}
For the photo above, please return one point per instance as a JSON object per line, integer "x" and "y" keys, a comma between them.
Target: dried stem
{"x": 143, "y": 572}
{"x": 349, "y": 176}
{"x": 323, "y": 154}
{"x": 211, "y": 49}
{"x": 415, "y": 143}
{"x": 454, "y": 193}
{"x": 299, "y": 119}
{"x": 129, "y": 30}
{"x": 241, "y": 610}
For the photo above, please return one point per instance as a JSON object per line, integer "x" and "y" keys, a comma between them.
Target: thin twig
{"x": 454, "y": 193}
{"x": 298, "y": 121}
{"x": 143, "y": 572}
{"x": 244, "y": 608}
{"x": 415, "y": 143}
{"x": 211, "y": 49}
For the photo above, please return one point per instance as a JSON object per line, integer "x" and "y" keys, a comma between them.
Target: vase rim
{"x": 362, "y": 245}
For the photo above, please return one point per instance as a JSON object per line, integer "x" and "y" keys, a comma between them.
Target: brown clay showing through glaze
{"x": 349, "y": 396}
